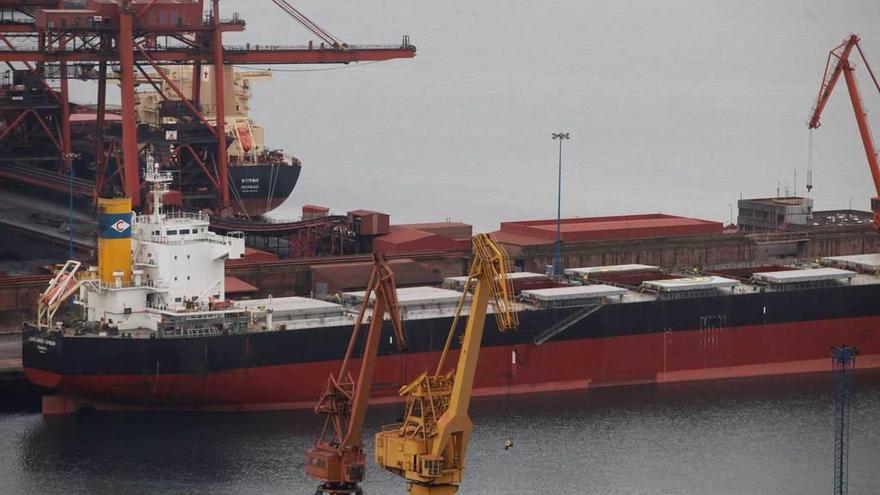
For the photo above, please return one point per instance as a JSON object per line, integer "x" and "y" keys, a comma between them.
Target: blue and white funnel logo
{"x": 115, "y": 225}
{"x": 120, "y": 226}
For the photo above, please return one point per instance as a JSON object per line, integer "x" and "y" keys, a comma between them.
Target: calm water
{"x": 759, "y": 436}
{"x": 677, "y": 106}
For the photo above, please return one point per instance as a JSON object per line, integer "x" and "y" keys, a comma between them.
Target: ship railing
{"x": 158, "y": 306}
{"x": 184, "y": 312}
{"x": 689, "y": 294}
{"x": 192, "y": 332}
{"x": 222, "y": 240}
{"x": 198, "y": 310}
{"x": 801, "y": 286}
{"x": 123, "y": 284}
{"x": 176, "y": 215}
{"x": 87, "y": 275}
{"x": 173, "y": 308}
{"x": 226, "y": 240}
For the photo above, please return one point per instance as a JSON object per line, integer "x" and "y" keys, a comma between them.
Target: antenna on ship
{"x": 158, "y": 181}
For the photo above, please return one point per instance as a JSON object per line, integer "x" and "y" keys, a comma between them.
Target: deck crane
{"x": 838, "y": 63}
{"x": 337, "y": 458}
{"x": 428, "y": 448}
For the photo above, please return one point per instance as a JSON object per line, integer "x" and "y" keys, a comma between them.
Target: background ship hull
{"x": 262, "y": 188}
{"x": 648, "y": 342}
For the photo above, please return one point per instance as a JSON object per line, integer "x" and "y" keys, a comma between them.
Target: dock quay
{"x": 13, "y": 383}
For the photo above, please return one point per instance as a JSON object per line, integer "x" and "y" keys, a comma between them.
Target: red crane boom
{"x": 838, "y": 63}
{"x": 338, "y": 461}
{"x": 47, "y": 38}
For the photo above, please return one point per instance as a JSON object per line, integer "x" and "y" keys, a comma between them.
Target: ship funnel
{"x": 114, "y": 239}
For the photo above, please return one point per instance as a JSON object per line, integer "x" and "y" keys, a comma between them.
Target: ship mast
{"x": 159, "y": 182}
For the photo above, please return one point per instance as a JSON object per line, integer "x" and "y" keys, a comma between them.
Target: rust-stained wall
{"x": 703, "y": 251}
{"x": 277, "y": 280}
{"x": 670, "y": 252}
{"x": 295, "y": 279}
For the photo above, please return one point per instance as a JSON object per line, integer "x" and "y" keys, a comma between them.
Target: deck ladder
{"x": 567, "y": 322}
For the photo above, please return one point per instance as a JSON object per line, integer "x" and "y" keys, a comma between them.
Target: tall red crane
{"x": 126, "y": 36}
{"x": 337, "y": 459}
{"x": 838, "y": 63}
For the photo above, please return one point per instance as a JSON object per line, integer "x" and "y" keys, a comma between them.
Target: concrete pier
{"x": 12, "y": 378}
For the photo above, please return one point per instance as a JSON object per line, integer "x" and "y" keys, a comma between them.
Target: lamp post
{"x": 68, "y": 158}
{"x": 559, "y": 136}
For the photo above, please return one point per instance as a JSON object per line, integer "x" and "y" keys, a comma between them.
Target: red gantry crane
{"x": 44, "y": 41}
{"x": 337, "y": 459}
{"x": 838, "y": 63}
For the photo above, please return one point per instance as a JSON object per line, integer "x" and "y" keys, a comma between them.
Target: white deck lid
{"x": 573, "y": 292}
{"x": 867, "y": 262}
{"x": 512, "y": 276}
{"x": 292, "y": 306}
{"x": 689, "y": 283}
{"x": 610, "y": 269}
{"x": 808, "y": 275}
{"x": 409, "y": 296}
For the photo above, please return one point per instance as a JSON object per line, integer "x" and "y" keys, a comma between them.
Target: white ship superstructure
{"x": 176, "y": 282}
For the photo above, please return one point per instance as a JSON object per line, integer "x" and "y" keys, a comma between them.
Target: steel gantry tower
{"x": 44, "y": 43}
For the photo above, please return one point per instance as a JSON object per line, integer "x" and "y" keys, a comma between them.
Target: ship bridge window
{"x": 184, "y": 231}
{"x": 157, "y": 232}
{"x": 171, "y": 232}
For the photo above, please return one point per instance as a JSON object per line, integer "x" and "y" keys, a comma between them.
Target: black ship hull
{"x": 257, "y": 189}
{"x": 637, "y": 342}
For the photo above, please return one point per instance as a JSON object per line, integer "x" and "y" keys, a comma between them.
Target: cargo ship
{"x": 155, "y": 331}
{"x": 260, "y": 177}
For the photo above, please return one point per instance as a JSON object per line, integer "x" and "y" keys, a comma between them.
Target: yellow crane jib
{"x": 428, "y": 448}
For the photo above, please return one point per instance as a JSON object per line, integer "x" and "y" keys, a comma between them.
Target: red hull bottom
{"x": 69, "y": 404}
{"x": 751, "y": 351}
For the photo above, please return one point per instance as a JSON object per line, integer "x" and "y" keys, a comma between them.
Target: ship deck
{"x": 423, "y": 303}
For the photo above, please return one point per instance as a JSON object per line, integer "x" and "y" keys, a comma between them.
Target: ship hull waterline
{"x": 663, "y": 357}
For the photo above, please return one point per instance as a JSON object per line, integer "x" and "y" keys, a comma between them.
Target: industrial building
{"x": 772, "y": 214}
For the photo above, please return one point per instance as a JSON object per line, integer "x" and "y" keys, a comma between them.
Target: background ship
{"x": 189, "y": 131}
{"x": 260, "y": 178}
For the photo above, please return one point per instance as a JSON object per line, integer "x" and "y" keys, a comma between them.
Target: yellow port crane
{"x": 428, "y": 448}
